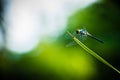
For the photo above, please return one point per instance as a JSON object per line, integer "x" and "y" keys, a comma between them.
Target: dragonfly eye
{"x": 77, "y": 31}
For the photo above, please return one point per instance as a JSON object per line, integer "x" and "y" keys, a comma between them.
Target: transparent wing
{"x": 71, "y": 44}
{"x": 82, "y": 38}
{"x": 71, "y": 41}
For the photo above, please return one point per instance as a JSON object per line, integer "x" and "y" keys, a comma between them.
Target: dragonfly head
{"x": 78, "y": 31}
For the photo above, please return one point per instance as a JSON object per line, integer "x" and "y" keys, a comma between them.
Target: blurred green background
{"x": 52, "y": 60}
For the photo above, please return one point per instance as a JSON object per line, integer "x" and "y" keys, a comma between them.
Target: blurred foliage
{"x": 52, "y": 62}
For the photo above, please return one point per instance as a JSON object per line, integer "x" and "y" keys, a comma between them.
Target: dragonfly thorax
{"x": 81, "y": 31}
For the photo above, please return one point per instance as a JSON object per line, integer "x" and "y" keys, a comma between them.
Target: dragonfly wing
{"x": 82, "y": 37}
{"x": 67, "y": 36}
{"x": 71, "y": 44}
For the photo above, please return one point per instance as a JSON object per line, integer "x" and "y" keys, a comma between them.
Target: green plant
{"x": 92, "y": 52}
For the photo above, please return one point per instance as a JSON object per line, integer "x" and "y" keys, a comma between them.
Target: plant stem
{"x": 92, "y": 52}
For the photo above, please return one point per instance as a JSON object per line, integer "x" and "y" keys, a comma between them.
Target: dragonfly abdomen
{"x": 95, "y": 38}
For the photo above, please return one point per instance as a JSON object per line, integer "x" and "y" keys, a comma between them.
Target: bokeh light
{"x": 30, "y": 20}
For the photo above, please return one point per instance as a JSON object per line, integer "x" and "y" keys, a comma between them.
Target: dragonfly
{"x": 82, "y": 35}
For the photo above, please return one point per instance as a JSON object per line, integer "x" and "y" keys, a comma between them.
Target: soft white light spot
{"x": 31, "y": 20}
